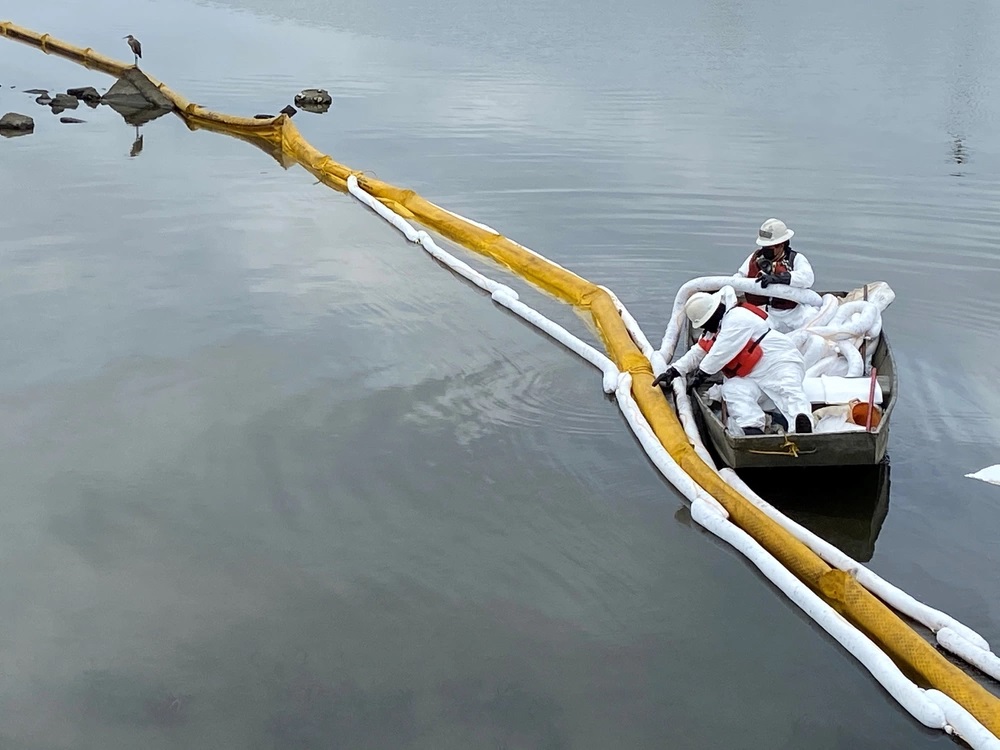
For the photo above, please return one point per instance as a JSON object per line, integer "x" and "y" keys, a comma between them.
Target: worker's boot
{"x": 778, "y": 419}
{"x": 803, "y": 424}
{"x": 753, "y": 431}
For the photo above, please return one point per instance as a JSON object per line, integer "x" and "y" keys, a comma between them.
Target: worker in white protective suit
{"x": 755, "y": 359}
{"x": 774, "y": 262}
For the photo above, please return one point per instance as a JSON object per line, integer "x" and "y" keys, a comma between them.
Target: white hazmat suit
{"x": 792, "y": 268}
{"x": 778, "y": 374}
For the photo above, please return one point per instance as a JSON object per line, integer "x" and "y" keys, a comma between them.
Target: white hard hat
{"x": 700, "y": 307}
{"x": 773, "y": 232}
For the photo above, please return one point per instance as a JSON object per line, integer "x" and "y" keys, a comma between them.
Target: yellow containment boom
{"x": 278, "y": 135}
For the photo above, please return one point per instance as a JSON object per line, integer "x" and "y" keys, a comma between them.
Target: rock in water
{"x": 70, "y": 120}
{"x": 313, "y": 100}
{"x": 13, "y": 123}
{"x": 87, "y": 93}
{"x": 64, "y": 101}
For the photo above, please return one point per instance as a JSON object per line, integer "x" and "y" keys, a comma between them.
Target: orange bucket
{"x": 859, "y": 414}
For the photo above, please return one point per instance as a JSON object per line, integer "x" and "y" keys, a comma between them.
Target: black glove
{"x": 665, "y": 379}
{"x": 785, "y": 277}
{"x": 700, "y": 376}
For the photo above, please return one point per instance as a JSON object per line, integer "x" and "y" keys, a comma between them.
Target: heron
{"x": 136, "y": 48}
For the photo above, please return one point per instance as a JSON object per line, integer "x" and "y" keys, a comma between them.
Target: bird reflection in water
{"x": 137, "y": 117}
{"x": 136, "y": 144}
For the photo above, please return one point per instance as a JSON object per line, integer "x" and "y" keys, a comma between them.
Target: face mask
{"x": 712, "y": 324}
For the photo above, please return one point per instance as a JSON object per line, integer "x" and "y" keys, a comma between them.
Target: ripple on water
{"x": 506, "y": 394}
{"x": 964, "y": 315}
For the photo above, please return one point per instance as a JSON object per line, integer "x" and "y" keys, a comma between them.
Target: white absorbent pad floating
{"x": 990, "y": 474}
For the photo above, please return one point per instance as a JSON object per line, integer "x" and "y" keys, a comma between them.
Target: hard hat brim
{"x": 700, "y": 323}
{"x": 775, "y": 240}
{"x": 716, "y": 298}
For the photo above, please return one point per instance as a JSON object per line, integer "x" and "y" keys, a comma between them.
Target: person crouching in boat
{"x": 754, "y": 359}
{"x": 774, "y": 262}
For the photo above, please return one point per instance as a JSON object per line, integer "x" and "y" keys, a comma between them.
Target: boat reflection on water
{"x": 844, "y": 505}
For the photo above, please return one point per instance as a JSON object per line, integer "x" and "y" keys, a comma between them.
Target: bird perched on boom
{"x": 136, "y": 48}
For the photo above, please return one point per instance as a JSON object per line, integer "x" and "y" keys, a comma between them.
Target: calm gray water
{"x": 272, "y": 478}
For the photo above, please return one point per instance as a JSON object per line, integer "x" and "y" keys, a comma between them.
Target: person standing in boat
{"x": 774, "y": 262}
{"x": 755, "y": 360}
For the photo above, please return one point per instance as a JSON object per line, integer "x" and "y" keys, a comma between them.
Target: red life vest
{"x": 779, "y": 266}
{"x": 748, "y": 357}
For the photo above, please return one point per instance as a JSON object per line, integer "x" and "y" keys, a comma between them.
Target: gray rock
{"x": 263, "y": 117}
{"x": 12, "y": 122}
{"x": 64, "y": 101}
{"x": 135, "y": 91}
{"x": 124, "y": 92}
{"x": 315, "y": 96}
{"x": 70, "y": 120}
{"x": 86, "y": 93}
{"x": 36, "y": 91}
{"x": 45, "y": 100}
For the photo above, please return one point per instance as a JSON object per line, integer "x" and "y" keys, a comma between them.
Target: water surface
{"x": 274, "y": 478}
